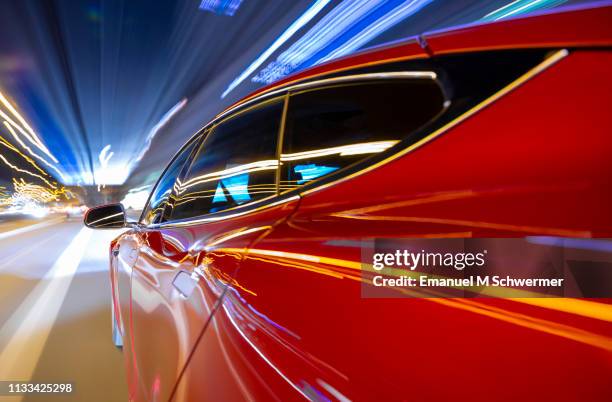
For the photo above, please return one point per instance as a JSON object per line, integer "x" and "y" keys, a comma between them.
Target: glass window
{"x": 235, "y": 165}
{"x": 330, "y": 128}
{"x": 154, "y": 211}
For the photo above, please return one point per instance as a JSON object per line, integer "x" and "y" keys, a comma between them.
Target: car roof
{"x": 586, "y": 25}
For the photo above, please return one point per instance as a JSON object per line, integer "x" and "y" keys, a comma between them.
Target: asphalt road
{"x": 55, "y": 310}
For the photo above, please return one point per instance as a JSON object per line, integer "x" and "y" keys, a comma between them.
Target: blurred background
{"x": 96, "y": 97}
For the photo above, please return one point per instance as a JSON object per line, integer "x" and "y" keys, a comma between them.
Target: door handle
{"x": 185, "y": 283}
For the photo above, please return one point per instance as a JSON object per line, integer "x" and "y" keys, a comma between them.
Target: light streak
{"x": 238, "y": 186}
{"x": 389, "y": 20}
{"x": 136, "y": 198}
{"x": 520, "y": 7}
{"x": 31, "y": 136}
{"x": 225, "y": 7}
{"x": 28, "y": 150}
{"x": 105, "y": 156}
{"x": 162, "y": 122}
{"x": 472, "y": 224}
{"x": 27, "y": 197}
{"x": 328, "y": 29}
{"x": 585, "y": 308}
{"x": 223, "y": 174}
{"x": 312, "y": 171}
{"x": 261, "y": 354}
{"x": 17, "y": 169}
{"x": 308, "y": 15}
{"x": 10, "y": 146}
{"x": 332, "y": 25}
{"x": 344, "y": 150}
{"x": 26, "y": 331}
{"x": 230, "y": 236}
{"x": 116, "y": 173}
{"x": 346, "y": 28}
{"x": 106, "y": 218}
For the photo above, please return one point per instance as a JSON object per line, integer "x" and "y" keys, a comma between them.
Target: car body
{"x": 241, "y": 281}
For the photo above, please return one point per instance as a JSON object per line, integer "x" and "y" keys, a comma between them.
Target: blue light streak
{"x": 387, "y": 21}
{"x": 221, "y": 7}
{"x": 312, "y": 171}
{"x": 346, "y": 28}
{"x": 308, "y": 15}
{"x": 519, "y": 7}
{"x": 236, "y": 186}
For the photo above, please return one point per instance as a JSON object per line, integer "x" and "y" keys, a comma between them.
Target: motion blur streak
{"x": 55, "y": 308}
{"x": 227, "y": 7}
{"x": 261, "y": 354}
{"x": 26, "y": 229}
{"x": 585, "y": 308}
{"x": 518, "y": 7}
{"x": 372, "y": 30}
{"x": 25, "y": 333}
{"x": 8, "y": 145}
{"x": 332, "y": 25}
{"x": 293, "y": 28}
{"x": 32, "y": 137}
{"x": 162, "y": 122}
{"x": 17, "y": 169}
{"x": 351, "y": 149}
{"x": 582, "y": 308}
{"x": 346, "y": 28}
{"x": 32, "y": 153}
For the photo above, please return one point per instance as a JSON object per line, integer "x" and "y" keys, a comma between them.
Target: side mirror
{"x": 111, "y": 216}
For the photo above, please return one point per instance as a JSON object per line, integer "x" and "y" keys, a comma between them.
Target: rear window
{"x": 330, "y": 128}
{"x": 235, "y": 165}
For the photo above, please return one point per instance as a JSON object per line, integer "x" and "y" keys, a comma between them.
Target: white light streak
{"x": 293, "y": 28}
{"x": 33, "y": 154}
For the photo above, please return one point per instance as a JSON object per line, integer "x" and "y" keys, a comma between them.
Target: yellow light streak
{"x": 25, "y": 192}
{"x": 474, "y": 224}
{"x": 270, "y": 164}
{"x": 10, "y": 146}
{"x": 32, "y": 135}
{"x": 17, "y": 169}
{"x": 35, "y": 155}
{"x": 585, "y": 308}
{"x": 233, "y": 235}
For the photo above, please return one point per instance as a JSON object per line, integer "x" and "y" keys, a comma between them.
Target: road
{"x": 55, "y": 309}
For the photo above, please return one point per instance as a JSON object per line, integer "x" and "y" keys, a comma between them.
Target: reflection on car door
{"x": 211, "y": 217}
{"x": 276, "y": 335}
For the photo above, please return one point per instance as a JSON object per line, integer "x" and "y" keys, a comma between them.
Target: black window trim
{"x": 198, "y": 137}
{"x": 210, "y": 128}
{"x": 286, "y": 93}
{"x": 423, "y": 135}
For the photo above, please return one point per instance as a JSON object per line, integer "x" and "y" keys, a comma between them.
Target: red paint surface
{"x": 269, "y": 326}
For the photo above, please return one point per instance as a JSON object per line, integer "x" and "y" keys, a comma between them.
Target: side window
{"x": 235, "y": 165}
{"x": 331, "y": 128}
{"x": 159, "y": 198}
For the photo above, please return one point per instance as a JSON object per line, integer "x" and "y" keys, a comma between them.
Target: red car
{"x": 241, "y": 281}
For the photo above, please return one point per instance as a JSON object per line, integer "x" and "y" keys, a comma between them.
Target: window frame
{"x": 194, "y": 139}
{"x": 210, "y": 129}
{"x": 286, "y": 93}
{"x": 339, "y": 173}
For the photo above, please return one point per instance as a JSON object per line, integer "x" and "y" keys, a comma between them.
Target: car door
{"x": 127, "y": 256}
{"x": 303, "y": 329}
{"x": 267, "y": 341}
{"x": 217, "y": 208}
